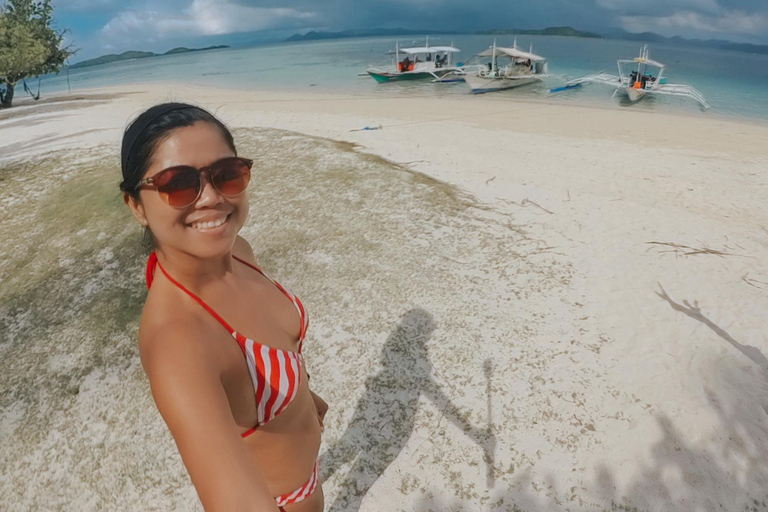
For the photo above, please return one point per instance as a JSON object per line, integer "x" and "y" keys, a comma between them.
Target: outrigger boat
{"x": 523, "y": 68}
{"x": 417, "y": 63}
{"x": 639, "y": 77}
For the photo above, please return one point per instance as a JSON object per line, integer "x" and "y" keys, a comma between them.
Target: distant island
{"x": 549, "y": 31}
{"x": 719, "y": 44}
{"x": 646, "y": 37}
{"x": 377, "y": 32}
{"x": 131, "y": 54}
{"x": 373, "y": 32}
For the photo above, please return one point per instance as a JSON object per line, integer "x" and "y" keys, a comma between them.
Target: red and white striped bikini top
{"x": 275, "y": 373}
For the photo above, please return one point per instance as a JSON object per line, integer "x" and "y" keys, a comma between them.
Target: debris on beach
{"x": 367, "y": 129}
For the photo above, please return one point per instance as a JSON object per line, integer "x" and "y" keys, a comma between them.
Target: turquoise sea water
{"x": 735, "y": 84}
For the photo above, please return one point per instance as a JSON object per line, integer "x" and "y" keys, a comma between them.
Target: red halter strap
{"x": 153, "y": 262}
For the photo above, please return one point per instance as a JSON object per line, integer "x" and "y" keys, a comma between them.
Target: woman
{"x": 219, "y": 340}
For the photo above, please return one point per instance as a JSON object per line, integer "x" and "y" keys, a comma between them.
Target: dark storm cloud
{"x": 737, "y": 19}
{"x": 121, "y": 24}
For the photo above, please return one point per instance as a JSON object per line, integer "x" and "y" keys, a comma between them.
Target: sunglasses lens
{"x": 231, "y": 176}
{"x": 179, "y": 187}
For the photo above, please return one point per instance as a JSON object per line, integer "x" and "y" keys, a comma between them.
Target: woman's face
{"x": 209, "y": 226}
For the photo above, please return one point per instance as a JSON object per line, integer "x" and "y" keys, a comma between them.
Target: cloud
{"x": 89, "y": 5}
{"x": 202, "y": 18}
{"x": 651, "y": 7}
{"x": 730, "y": 22}
{"x": 153, "y": 25}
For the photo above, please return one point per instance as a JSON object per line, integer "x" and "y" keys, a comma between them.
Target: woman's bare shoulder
{"x": 243, "y": 250}
{"x": 164, "y": 342}
{"x": 169, "y": 330}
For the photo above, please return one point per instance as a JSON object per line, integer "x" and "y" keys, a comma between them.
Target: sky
{"x": 99, "y": 27}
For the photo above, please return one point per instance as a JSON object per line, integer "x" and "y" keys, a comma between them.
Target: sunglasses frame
{"x": 207, "y": 170}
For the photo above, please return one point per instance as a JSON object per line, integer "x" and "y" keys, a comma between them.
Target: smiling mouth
{"x": 211, "y": 224}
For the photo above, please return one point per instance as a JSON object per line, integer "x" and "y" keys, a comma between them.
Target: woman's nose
{"x": 208, "y": 195}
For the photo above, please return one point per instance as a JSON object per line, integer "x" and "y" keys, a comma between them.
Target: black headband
{"x": 140, "y": 124}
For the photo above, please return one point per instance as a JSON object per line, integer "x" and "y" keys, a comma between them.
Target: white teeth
{"x": 210, "y": 224}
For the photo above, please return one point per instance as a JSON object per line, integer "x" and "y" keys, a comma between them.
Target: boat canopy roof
{"x": 512, "y": 53}
{"x": 643, "y": 60}
{"x": 429, "y": 49}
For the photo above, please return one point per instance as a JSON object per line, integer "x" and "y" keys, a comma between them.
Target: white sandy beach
{"x": 589, "y": 287}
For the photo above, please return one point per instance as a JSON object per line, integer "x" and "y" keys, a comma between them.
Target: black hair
{"x": 150, "y": 128}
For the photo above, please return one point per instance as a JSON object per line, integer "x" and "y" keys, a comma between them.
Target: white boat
{"x": 417, "y": 63}
{"x": 523, "y": 68}
{"x": 638, "y": 78}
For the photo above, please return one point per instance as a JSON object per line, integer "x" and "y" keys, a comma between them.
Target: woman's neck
{"x": 194, "y": 271}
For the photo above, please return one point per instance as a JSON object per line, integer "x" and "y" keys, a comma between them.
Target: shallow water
{"x": 734, "y": 83}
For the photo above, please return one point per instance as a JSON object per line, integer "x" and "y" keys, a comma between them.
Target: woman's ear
{"x": 137, "y": 209}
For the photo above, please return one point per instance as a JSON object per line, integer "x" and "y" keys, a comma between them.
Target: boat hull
{"x": 635, "y": 94}
{"x": 396, "y": 77}
{"x": 387, "y": 76}
{"x": 480, "y": 85}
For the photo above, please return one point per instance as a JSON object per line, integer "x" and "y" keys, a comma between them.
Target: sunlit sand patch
{"x": 447, "y": 338}
{"x": 400, "y": 273}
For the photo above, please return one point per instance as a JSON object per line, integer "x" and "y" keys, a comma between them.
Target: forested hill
{"x": 132, "y": 54}
{"x": 376, "y": 32}
{"x": 549, "y": 31}
{"x": 371, "y": 32}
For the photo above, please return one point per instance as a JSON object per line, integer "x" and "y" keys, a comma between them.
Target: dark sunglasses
{"x": 182, "y": 185}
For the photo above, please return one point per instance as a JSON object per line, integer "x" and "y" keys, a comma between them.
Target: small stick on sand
{"x": 685, "y": 250}
{"x": 527, "y": 201}
{"x": 751, "y": 282}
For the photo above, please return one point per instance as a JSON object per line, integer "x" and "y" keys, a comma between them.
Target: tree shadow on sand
{"x": 384, "y": 418}
{"x": 725, "y": 468}
{"x": 753, "y": 353}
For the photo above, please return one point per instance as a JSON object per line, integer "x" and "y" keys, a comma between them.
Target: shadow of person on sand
{"x": 384, "y": 418}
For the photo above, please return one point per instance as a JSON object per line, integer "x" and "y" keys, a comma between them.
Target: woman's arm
{"x": 191, "y": 398}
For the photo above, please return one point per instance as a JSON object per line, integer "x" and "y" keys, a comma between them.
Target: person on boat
{"x": 219, "y": 340}
{"x": 405, "y": 65}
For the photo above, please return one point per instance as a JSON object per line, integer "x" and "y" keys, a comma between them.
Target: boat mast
{"x": 493, "y": 57}
{"x": 397, "y": 56}
{"x": 640, "y": 66}
{"x": 658, "y": 78}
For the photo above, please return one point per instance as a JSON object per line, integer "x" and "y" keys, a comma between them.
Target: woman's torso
{"x": 285, "y": 448}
